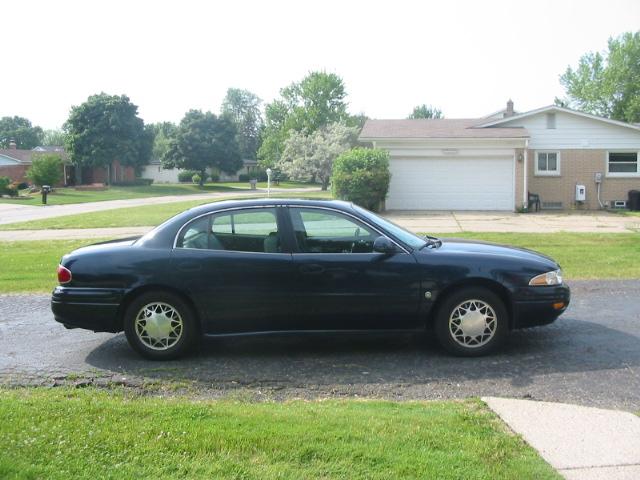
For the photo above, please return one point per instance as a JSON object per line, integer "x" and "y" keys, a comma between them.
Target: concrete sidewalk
{"x": 437, "y": 222}
{"x": 12, "y": 213}
{"x": 582, "y": 443}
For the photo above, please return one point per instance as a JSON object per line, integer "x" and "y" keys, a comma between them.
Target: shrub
{"x": 12, "y": 190}
{"x": 45, "y": 170}
{"x": 186, "y": 175}
{"x": 362, "y": 176}
{"x": 4, "y": 185}
{"x": 196, "y": 178}
{"x": 244, "y": 177}
{"x": 135, "y": 182}
{"x": 22, "y": 185}
{"x": 215, "y": 177}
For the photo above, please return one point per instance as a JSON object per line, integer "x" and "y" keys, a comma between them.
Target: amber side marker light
{"x": 64, "y": 275}
{"x": 558, "y": 305}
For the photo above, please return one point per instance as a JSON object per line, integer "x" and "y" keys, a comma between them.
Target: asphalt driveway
{"x": 590, "y": 356}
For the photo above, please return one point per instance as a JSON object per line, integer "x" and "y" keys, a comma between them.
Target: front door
{"x": 233, "y": 267}
{"x": 341, "y": 283}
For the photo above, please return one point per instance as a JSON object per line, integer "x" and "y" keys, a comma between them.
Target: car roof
{"x": 256, "y": 202}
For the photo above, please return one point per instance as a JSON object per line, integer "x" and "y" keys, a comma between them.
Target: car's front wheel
{"x": 160, "y": 326}
{"x": 472, "y": 322}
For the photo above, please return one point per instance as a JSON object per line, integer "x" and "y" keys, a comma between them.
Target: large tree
{"x": 20, "y": 130}
{"x": 425, "y": 111}
{"x": 243, "y": 108}
{"x": 203, "y": 141}
{"x": 608, "y": 83}
{"x": 54, "y": 138}
{"x": 107, "y": 128}
{"x": 163, "y": 132}
{"x": 305, "y": 106}
{"x": 310, "y": 157}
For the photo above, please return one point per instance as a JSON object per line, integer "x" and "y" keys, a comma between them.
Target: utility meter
{"x": 581, "y": 193}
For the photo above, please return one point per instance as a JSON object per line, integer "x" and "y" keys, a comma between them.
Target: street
{"x": 590, "y": 356}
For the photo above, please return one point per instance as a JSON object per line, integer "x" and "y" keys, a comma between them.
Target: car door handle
{"x": 311, "y": 269}
{"x": 189, "y": 267}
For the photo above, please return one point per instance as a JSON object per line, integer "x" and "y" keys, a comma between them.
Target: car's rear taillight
{"x": 64, "y": 275}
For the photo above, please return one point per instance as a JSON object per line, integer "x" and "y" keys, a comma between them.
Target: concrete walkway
{"x": 12, "y": 213}
{"x": 437, "y": 222}
{"x": 450, "y": 223}
{"x": 582, "y": 443}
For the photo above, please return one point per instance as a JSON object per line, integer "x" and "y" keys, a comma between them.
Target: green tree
{"x": 243, "y": 108}
{"x": 203, "y": 141}
{"x": 20, "y": 130}
{"x": 53, "y": 138}
{"x": 311, "y": 157}
{"x": 163, "y": 132}
{"x": 305, "y": 106}
{"x": 608, "y": 83}
{"x": 46, "y": 169}
{"x": 426, "y": 111}
{"x": 107, "y": 128}
{"x": 362, "y": 176}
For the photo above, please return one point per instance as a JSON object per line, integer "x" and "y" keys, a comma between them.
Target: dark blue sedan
{"x": 269, "y": 266}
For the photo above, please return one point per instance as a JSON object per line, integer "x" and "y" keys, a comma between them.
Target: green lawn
{"x": 64, "y": 433}
{"x": 29, "y": 266}
{"x": 581, "y": 255}
{"x": 64, "y": 196}
{"x": 148, "y": 215}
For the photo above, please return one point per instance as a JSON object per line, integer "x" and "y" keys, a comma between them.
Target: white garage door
{"x": 451, "y": 184}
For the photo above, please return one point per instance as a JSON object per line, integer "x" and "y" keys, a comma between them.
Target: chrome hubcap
{"x": 158, "y": 325}
{"x": 473, "y": 323}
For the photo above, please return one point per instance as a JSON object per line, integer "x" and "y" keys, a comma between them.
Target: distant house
{"x": 570, "y": 159}
{"x": 15, "y": 162}
{"x": 159, "y": 174}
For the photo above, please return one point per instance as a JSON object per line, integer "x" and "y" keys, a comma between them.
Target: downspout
{"x": 525, "y": 186}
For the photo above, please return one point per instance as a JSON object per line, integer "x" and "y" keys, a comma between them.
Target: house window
{"x": 622, "y": 164}
{"x": 548, "y": 163}
{"x": 551, "y": 120}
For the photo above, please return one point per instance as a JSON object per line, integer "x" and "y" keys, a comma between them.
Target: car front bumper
{"x": 90, "y": 308}
{"x": 533, "y": 306}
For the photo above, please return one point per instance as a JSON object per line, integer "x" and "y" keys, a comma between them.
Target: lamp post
{"x": 269, "y": 172}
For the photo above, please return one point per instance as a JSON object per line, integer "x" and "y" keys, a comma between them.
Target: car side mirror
{"x": 384, "y": 245}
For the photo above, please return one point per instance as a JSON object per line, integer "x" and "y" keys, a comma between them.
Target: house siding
{"x": 17, "y": 173}
{"x": 576, "y": 132}
{"x": 578, "y": 167}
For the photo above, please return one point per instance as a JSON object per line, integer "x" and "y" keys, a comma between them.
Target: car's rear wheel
{"x": 472, "y": 322}
{"x": 160, "y": 326}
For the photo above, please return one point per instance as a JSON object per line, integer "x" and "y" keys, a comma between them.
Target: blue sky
{"x": 465, "y": 57}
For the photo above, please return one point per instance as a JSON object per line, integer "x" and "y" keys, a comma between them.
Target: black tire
{"x": 180, "y": 344}
{"x": 485, "y": 343}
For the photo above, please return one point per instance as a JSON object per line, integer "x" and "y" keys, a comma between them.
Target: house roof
{"x": 25, "y": 156}
{"x": 436, "y": 128}
{"x": 555, "y": 108}
{"x": 21, "y": 156}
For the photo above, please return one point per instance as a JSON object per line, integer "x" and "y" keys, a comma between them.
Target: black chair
{"x": 533, "y": 200}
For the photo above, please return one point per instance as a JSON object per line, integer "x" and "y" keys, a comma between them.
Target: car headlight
{"x": 546, "y": 279}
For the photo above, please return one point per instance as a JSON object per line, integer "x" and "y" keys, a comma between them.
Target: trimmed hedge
{"x": 362, "y": 176}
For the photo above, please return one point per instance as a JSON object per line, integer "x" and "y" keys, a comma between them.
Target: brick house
{"x": 570, "y": 159}
{"x": 14, "y": 163}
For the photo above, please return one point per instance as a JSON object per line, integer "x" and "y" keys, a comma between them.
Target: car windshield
{"x": 411, "y": 239}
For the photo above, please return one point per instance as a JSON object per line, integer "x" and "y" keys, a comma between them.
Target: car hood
{"x": 473, "y": 247}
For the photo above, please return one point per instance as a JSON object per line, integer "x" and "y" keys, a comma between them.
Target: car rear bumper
{"x": 91, "y": 308}
{"x": 533, "y": 306}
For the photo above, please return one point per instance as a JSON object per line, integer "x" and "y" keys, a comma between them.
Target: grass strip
{"x": 65, "y": 433}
